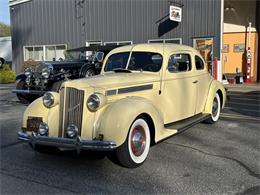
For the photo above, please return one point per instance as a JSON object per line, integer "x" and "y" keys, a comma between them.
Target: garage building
{"x": 42, "y": 30}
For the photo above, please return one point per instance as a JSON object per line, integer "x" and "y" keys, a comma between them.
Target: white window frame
{"x": 165, "y": 40}
{"x": 118, "y": 42}
{"x": 93, "y": 42}
{"x": 44, "y": 50}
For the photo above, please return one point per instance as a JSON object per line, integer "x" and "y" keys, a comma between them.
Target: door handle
{"x": 195, "y": 81}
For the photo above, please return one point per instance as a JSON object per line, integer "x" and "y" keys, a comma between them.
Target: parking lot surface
{"x": 206, "y": 159}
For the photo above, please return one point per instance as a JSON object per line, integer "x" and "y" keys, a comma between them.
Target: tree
{"x": 5, "y": 30}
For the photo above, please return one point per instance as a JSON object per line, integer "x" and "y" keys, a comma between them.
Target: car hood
{"x": 112, "y": 80}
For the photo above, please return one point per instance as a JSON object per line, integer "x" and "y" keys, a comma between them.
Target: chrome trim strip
{"x": 135, "y": 88}
{"x": 111, "y": 92}
{"x": 28, "y": 91}
{"x": 77, "y": 144}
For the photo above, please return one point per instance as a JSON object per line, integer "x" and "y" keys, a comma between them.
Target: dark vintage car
{"x": 49, "y": 75}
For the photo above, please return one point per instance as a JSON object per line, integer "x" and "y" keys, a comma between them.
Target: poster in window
{"x": 175, "y": 13}
{"x": 225, "y": 48}
{"x": 239, "y": 47}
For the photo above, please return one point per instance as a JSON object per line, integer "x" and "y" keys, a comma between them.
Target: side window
{"x": 179, "y": 63}
{"x": 199, "y": 63}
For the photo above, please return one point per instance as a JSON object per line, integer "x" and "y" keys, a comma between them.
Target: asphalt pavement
{"x": 206, "y": 159}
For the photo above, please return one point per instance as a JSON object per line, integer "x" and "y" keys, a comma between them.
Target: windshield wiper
{"x": 122, "y": 70}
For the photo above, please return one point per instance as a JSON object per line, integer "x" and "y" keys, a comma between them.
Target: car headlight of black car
{"x": 46, "y": 71}
{"x": 28, "y": 72}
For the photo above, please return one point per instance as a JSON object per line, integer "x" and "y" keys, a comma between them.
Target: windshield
{"x": 141, "y": 61}
{"x": 79, "y": 55}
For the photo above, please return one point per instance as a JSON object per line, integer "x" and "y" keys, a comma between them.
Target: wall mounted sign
{"x": 175, "y": 13}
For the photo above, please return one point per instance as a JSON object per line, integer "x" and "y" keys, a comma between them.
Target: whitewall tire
{"x": 135, "y": 149}
{"x": 216, "y": 108}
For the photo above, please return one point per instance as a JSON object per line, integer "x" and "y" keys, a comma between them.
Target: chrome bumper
{"x": 77, "y": 143}
{"x": 28, "y": 91}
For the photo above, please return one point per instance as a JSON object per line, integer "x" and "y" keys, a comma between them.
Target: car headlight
{"x": 48, "y": 99}
{"x": 46, "y": 72}
{"x": 28, "y": 72}
{"x": 93, "y": 102}
{"x": 96, "y": 101}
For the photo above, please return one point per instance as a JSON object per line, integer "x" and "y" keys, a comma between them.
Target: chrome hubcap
{"x": 138, "y": 140}
{"x": 215, "y": 107}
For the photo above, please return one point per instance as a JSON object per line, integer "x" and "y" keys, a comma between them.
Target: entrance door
{"x": 180, "y": 88}
{"x": 205, "y": 47}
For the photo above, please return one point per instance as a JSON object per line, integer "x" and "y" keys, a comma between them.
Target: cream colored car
{"x": 144, "y": 94}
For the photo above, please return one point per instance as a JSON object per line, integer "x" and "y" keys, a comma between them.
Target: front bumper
{"x": 28, "y": 91}
{"x": 77, "y": 143}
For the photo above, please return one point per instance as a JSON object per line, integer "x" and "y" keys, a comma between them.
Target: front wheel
{"x": 24, "y": 98}
{"x": 135, "y": 149}
{"x": 216, "y": 107}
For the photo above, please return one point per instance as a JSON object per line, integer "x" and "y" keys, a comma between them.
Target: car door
{"x": 180, "y": 88}
{"x": 203, "y": 77}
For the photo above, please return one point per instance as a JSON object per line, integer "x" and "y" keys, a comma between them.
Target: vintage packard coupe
{"x": 144, "y": 94}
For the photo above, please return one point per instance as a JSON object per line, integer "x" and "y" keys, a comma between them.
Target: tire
{"x": 2, "y": 61}
{"x": 23, "y": 98}
{"x": 56, "y": 86}
{"x": 88, "y": 73}
{"x": 216, "y": 108}
{"x": 133, "y": 153}
{"x": 44, "y": 149}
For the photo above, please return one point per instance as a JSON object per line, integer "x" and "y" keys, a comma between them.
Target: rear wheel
{"x": 135, "y": 149}
{"x": 216, "y": 107}
{"x": 88, "y": 73}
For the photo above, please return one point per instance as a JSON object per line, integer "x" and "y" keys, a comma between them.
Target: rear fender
{"x": 215, "y": 86}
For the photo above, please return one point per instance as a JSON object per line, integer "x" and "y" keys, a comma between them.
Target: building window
{"x": 34, "y": 53}
{"x": 175, "y": 40}
{"x": 91, "y": 43}
{"x": 119, "y": 43}
{"x": 44, "y": 52}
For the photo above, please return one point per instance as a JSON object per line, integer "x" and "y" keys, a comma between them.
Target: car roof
{"x": 95, "y": 48}
{"x": 155, "y": 47}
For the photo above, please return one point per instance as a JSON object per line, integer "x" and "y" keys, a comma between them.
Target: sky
{"x": 4, "y": 12}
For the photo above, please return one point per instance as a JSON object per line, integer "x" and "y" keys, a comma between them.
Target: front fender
{"x": 117, "y": 118}
{"x": 20, "y": 76}
{"x": 48, "y": 115}
{"x": 214, "y": 87}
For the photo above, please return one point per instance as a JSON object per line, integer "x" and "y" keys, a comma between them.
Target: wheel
{"x": 216, "y": 107}
{"x": 88, "y": 73}
{"x": 2, "y": 61}
{"x": 56, "y": 86}
{"x": 135, "y": 149}
{"x": 43, "y": 149}
{"x": 23, "y": 98}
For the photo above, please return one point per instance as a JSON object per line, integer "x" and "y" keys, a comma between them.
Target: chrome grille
{"x": 71, "y": 108}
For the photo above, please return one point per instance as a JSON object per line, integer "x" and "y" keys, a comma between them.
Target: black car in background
{"x": 48, "y": 76}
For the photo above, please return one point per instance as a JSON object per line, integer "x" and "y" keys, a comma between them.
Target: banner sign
{"x": 175, "y": 13}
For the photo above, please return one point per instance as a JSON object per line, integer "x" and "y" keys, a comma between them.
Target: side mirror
{"x": 100, "y": 56}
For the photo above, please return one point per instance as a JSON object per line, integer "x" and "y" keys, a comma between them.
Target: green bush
{"x": 6, "y": 74}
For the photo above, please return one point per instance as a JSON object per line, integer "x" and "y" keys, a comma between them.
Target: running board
{"x": 186, "y": 123}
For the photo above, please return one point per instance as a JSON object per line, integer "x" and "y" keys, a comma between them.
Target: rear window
{"x": 199, "y": 63}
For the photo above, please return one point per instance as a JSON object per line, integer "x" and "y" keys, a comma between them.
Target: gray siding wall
{"x": 43, "y": 22}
